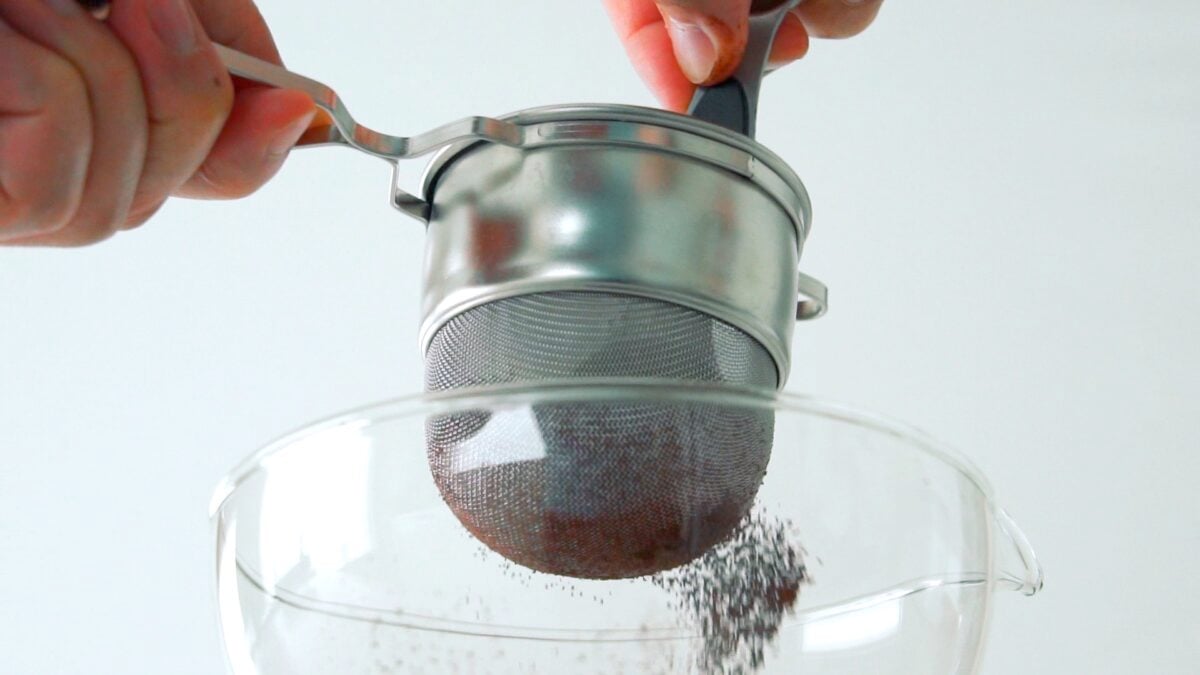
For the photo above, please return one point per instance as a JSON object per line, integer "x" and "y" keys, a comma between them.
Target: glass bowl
{"x": 336, "y": 554}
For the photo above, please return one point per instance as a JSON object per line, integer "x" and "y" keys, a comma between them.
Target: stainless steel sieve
{"x": 595, "y": 198}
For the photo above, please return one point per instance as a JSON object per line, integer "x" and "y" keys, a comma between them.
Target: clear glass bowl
{"x": 337, "y": 555}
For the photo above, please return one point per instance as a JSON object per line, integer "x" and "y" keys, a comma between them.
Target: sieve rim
{"x": 551, "y": 126}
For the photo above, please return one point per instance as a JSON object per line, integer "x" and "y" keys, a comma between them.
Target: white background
{"x": 1006, "y": 208}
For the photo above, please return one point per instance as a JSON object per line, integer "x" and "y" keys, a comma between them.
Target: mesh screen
{"x": 586, "y": 334}
{"x": 598, "y": 490}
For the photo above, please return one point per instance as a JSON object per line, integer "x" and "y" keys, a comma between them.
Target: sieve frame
{"x": 762, "y": 295}
{"x": 637, "y": 126}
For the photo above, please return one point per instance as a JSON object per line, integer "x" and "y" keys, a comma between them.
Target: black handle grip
{"x": 733, "y": 103}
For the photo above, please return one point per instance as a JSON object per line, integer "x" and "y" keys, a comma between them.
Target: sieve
{"x": 688, "y": 211}
{"x": 600, "y": 241}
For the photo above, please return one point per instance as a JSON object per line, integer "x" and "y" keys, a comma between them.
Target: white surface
{"x": 1006, "y": 216}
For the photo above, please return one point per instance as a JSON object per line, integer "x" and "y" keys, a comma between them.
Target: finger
{"x": 791, "y": 41}
{"x": 140, "y": 215}
{"x": 264, "y": 123}
{"x": 642, "y": 29}
{"x": 45, "y": 138}
{"x": 837, "y": 18}
{"x": 237, "y": 24}
{"x": 117, "y": 107}
{"x": 708, "y": 36}
{"x": 263, "y": 127}
{"x": 188, "y": 93}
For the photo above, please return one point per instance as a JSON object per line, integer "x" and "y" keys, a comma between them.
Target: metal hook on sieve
{"x": 345, "y": 130}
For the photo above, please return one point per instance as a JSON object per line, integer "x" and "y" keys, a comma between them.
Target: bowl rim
{"x": 599, "y": 389}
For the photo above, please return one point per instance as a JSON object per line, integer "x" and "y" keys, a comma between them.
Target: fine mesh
{"x": 587, "y": 334}
{"x": 598, "y": 490}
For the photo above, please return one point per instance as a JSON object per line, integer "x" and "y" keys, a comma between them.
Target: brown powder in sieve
{"x": 646, "y": 535}
{"x": 623, "y": 490}
{"x": 739, "y": 593}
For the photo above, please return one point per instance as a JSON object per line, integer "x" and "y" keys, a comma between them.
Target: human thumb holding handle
{"x": 676, "y": 45}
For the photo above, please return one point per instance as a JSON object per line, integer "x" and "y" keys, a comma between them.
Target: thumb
{"x": 708, "y": 36}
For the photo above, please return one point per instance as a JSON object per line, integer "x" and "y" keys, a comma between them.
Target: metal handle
{"x": 345, "y": 130}
{"x": 814, "y": 299}
{"x": 733, "y": 103}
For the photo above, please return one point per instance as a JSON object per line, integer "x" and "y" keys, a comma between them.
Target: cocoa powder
{"x": 621, "y": 491}
{"x": 739, "y": 593}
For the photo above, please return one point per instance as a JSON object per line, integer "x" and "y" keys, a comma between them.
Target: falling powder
{"x": 739, "y": 593}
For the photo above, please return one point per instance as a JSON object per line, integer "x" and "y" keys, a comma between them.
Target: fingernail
{"x": 173, "y": 23}
{"x": 695, "y": 49}
{"x": 285, "y": 139}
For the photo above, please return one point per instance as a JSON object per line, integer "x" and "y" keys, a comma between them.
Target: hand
{"x": 101, "y": 122}
{"x": 678, "y": 44}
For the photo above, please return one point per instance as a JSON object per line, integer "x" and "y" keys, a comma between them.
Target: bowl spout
{"x": 1018, "y": 565}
